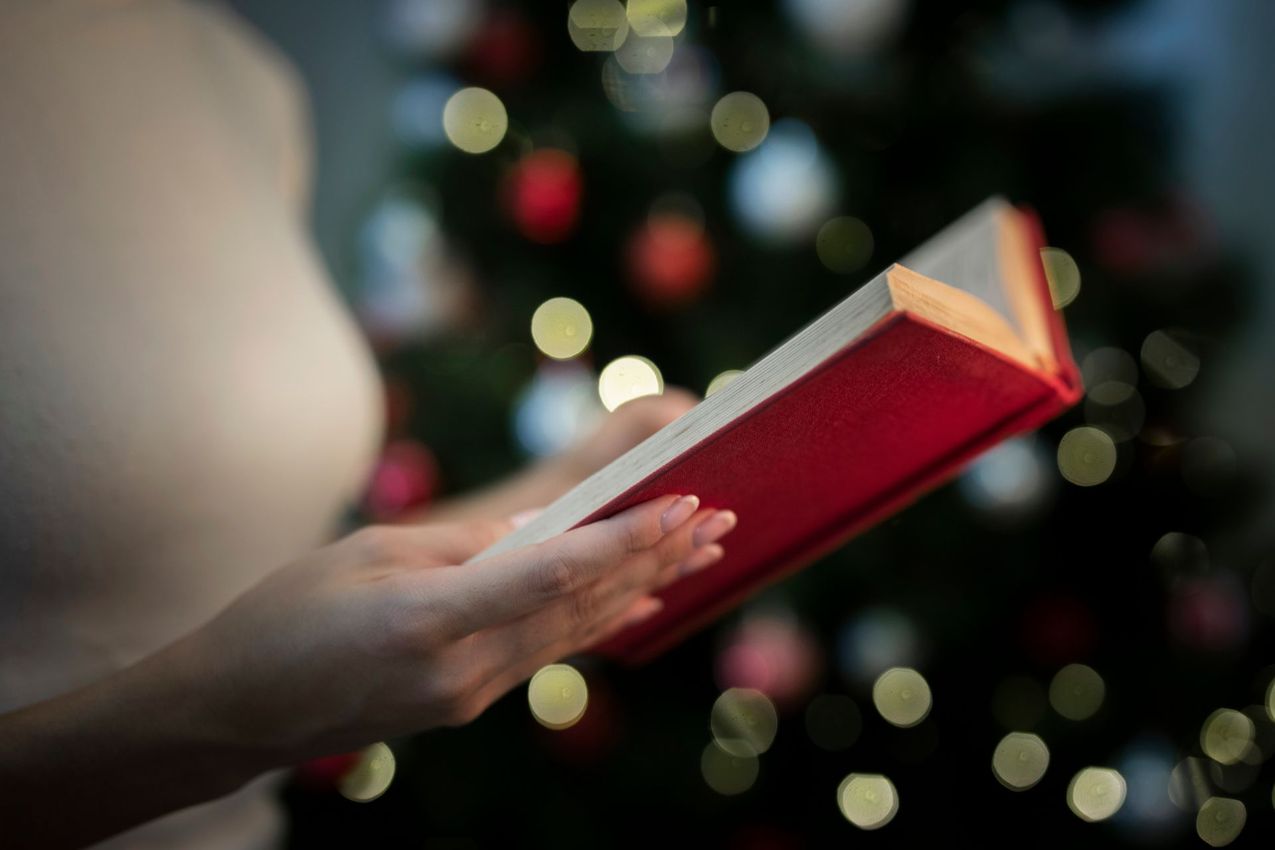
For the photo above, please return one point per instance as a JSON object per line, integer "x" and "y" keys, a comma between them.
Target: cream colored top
{"x": 184, "y": 402}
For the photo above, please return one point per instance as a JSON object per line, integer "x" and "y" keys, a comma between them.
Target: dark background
{"x": 1141, "y": 132}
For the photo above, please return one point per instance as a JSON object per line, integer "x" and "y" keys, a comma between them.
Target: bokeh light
{"x": 1011, "y": 481}
{"x": 785, "y": 188}
{"x": 561, "y": 327}
{"x": 542, "y": 195}
{"x": 645, "y": 54}
{"x": 902, "y": 696}
{"x": 417, "y": 109}
{"x": 721, "y": 379}
{"x": 728, "y": 773}
{"x": 1117, "y": 408}
{"x": 597, "y": 25}
{"x": 1086, "y": 456}
{"x": 1146, "y": 765}
{"x": 875, "y": 640}
{"x": 558, "y": 696}
{"x": 740, "y": 121}
{"x": 1063, "y": 275}
{"x": 744, "y": 721}
{"x": 844, "y": 244}
{"x": 1076, "y": 692}
{"x": 1020, "y": 760}
{"x": 1096, "y": 793}
{"x": 475, "y": 120}
{"x": 1108, "y": 364}
{"x": 626, "y": 378}
{"x": 557, "y": 406}
{"x": 1220, "y": 821}
{"x": 1228, "y": 736}
{"x": 849, "y": 28}
{"x": 867, "y": 800}
{"x": 657, "y": 17}
{"x": 431, "y": 29}
{"x": 1167, "y": 361}
{"x": 371, "y": 775}
{"x": 773, "y": 653}
{"x": 833, "y": 722}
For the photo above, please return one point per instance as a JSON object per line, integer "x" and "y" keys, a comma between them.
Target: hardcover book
{"x": 877, "y": 401}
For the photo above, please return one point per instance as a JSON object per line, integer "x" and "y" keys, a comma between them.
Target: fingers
{"x": 570, "y": 616}
{"x": 503, "y": 587}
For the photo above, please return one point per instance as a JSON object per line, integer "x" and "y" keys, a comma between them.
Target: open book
{"x": 877, "y": 401}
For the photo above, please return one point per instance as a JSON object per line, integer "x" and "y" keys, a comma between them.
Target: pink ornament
{"x": 406, "y": 476}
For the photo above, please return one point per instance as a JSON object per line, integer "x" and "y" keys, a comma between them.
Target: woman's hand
{"x": 382, "y": 633}
{"x": 386, "y": 632}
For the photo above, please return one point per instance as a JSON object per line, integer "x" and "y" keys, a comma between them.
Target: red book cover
{"x": 884, "y": 419}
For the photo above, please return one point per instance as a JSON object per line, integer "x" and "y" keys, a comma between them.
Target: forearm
{"x": 90, "y": 763}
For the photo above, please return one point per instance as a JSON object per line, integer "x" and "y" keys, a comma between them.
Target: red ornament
{"x": 670, "y": 260}
{"x": 325, "y": 772}
{"x": 542, "y": 195}
{"x": 406, "y": 476}
{"x": 506, "y": 50}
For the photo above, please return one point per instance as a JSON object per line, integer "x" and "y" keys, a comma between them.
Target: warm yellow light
{"x": 1220, "y": 821}
{"x": 626, "y": 378}
{"x": 867, "y": 800}
{"x": 370, "y": 776}
{"x": 902, "y": 696}
{"x": 844, "y": 244}
{"x": 1270, "y": 699}
{"x": 1076, "y": 692}
{"x": 1096, "y": 793}
{"x": 475, "y": 120}
{"x": 645, "y": 54}
{"x": 1228, "y": 736}
{"x": 1168, "y": 362}
{"x": 657, "y": 17}
{"x": 1020, "y": 760}
{"x": 728, "y": 773}
{"x": 558, "y": 696}
{"x": 744, "y": 721}
{"x": 1063, "y": 275}
{"x": 597, "y": 25}
{"x": 1086, "y": 456}
{"x": 740, "y": 121}
{"x": 561, "y": 328}
{"x": 721, "y": 380}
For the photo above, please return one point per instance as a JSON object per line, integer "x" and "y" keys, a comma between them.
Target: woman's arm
{"x": 380, "y": 634}
{"x": 121, "y": 751}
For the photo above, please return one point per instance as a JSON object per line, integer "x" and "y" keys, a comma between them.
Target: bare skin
{"x": 382, "y": 633}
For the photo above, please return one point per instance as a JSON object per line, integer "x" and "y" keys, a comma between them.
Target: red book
{"x": 874, "y": 403}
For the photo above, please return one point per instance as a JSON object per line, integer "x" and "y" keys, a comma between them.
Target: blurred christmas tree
{"x": 703, "y": 180}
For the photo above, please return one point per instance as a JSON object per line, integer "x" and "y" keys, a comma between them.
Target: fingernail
{"x": 523, "y": 517}
{"x": 678, "y": 513}
{"x": 714, "y": 528}
{"x": 701, "y": 558}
